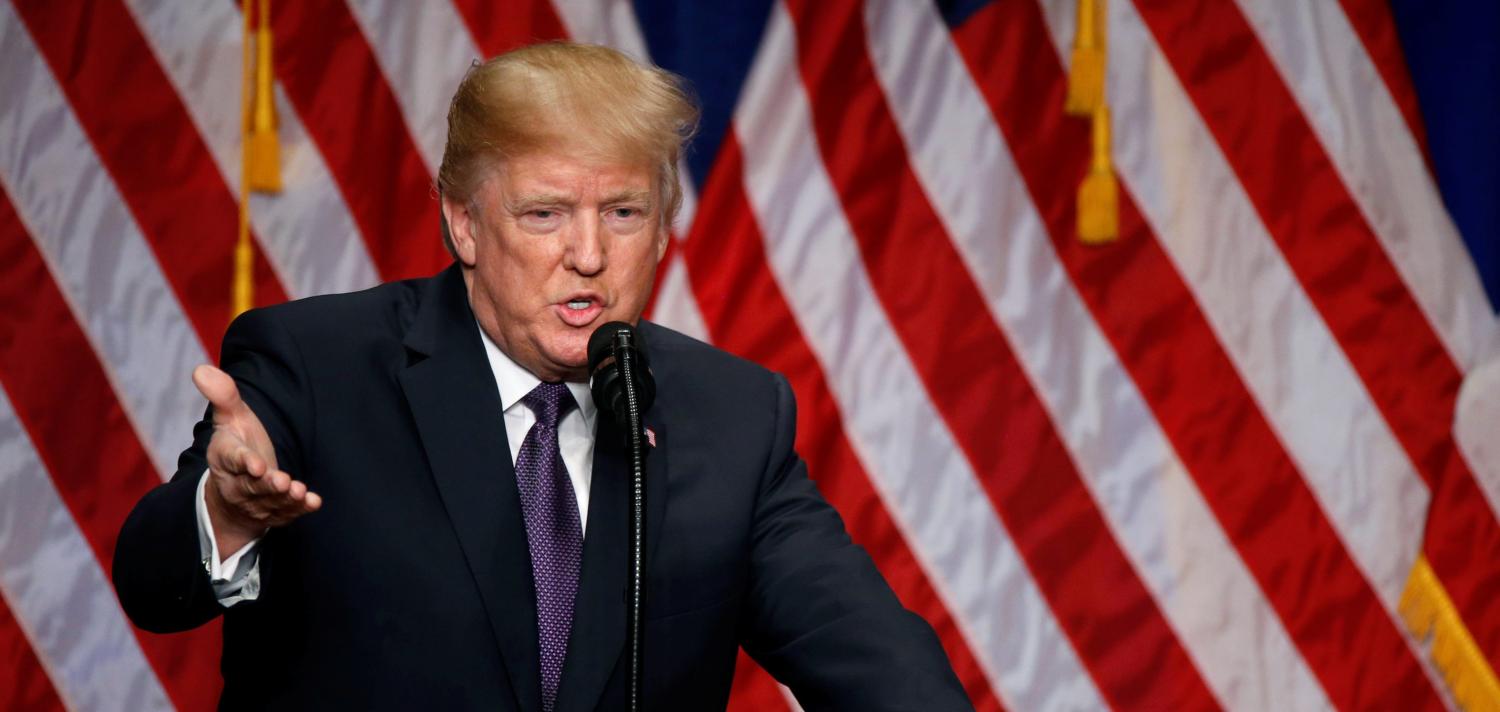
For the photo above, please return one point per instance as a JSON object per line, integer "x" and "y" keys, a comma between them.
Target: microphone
{"x": 622, "y": 384}
{"x": 610, "y": 346}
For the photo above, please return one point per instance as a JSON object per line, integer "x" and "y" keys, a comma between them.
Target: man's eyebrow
{"x": 629, "y": 196}
{"x": 522, "y": 203}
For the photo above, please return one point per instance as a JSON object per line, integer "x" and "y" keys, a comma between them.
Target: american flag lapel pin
{"x": 651, "y": 437}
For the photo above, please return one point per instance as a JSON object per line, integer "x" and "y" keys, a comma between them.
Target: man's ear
{"x": 662, "y": 239}
{"x": 461, "y": 228}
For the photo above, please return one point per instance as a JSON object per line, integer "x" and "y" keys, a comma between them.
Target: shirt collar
{"x": 515, "y": 381}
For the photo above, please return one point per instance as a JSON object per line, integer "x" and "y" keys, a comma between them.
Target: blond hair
{"x": 567, "y": 95}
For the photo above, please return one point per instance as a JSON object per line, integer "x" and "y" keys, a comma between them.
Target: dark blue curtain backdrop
{"x": 1453, "y": 51}
{"x": 712, "y": 44}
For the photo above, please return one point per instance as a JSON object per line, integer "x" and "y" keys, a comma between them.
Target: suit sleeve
{"x": 820, "y": 617}
{"x": 158, "y": 573}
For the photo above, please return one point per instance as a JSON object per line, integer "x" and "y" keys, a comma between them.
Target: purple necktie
{"x": 553, "y": 531}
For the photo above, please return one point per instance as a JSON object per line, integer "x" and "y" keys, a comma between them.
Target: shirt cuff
{"x": 236, "y": 578}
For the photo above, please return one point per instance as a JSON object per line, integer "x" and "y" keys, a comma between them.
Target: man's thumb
{"x": 219, "y": 389}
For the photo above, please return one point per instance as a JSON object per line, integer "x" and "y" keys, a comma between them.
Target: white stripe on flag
{"x": 1478, "y": 409}
{"x": 54, "y": 585}
{"x": 95, "y": 251}
{"x": 676, "y": 307}
{"x": 607, "y": 22}
{"x": 309, "y": 236}
{"x": 689, "y": 210}
{"x": 925, "y": 483}
{"x": 1151, "y": 503}
{"x": 791, "y": 700}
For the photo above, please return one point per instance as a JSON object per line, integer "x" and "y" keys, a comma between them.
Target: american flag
{"x": 1242, "y": 457}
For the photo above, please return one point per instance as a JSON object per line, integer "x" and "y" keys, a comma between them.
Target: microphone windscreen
{"x": 599, "y": 342}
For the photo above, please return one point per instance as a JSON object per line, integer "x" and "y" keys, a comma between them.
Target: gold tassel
{"x": 1086, "y": 72}
{"x": 264, "y": 153}
{"x": 1099, "y": 196}
{"x": 1428, "y": 612}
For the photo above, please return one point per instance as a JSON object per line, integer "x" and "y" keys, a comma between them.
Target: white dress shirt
{"x": 237, "y": 578}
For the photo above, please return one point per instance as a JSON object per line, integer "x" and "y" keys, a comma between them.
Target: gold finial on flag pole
{"x": 1099, "y": 196}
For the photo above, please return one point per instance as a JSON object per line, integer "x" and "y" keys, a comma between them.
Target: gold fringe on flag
{"x": 1429, "y": 613}
{"x": 260, "y": 149}
{"x": 1099, "y": 195}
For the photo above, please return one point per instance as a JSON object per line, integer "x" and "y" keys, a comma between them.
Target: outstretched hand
{"x": 246, "y": 494}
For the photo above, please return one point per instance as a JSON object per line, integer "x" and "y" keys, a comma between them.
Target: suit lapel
{"x": 598, "y": 638}
{"x": 449, "y": 386}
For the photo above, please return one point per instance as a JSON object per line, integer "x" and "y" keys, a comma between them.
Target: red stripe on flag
{"x": 931, "y": 299}
{"x": 24, "y": 684}
{"x": 329, "y": 71}
{"x": 90, "y": 448}
{"x": 1345, "y": 271}
{"x": 499, "y": 27}
{"x": 659, "y": 277}
{"x": 1151, "y": 319}
{"x": 145, "y": 139}
{"x": 746, "y": 313}
{"x": 1376, "y": 28}
{"x": 754, "y": 690}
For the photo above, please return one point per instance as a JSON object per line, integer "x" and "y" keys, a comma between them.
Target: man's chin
{"x": 570, "y": 360}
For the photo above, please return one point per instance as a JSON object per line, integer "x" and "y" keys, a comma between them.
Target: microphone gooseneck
{"x": 622, "y": 384}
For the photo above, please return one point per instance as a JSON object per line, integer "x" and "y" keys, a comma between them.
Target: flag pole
{"x": 241, "y": 295}
{"x": 260, "y": 149}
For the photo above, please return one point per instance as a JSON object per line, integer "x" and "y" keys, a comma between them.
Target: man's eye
{"x": 543, "y": 214}
{"x": 626, "y": 212}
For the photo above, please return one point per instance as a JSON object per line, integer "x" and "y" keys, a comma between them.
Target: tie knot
{"x": 550, "y": 402}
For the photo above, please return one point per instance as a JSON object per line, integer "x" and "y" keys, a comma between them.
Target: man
{"x": 405, "y": 497}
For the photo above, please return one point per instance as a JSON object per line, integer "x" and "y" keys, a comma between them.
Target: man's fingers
{"x": 255, "y": 465}
{"x": 254, "y": 503}
{"x": 283, "y": 506}
{"x": 279, "y": 481}
{"x": 219, "y": 389}
{"x": 228, "y": 458}
{"x": 241, "y": 460}
{"x": 278, "y": 489}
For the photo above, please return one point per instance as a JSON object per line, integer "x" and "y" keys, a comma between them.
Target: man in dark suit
{"x": 447, "y": 425}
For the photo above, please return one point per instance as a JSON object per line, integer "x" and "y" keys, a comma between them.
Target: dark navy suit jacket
{"x": 412, "y": 587}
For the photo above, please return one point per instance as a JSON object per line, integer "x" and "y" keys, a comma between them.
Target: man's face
{"x": 555, "y": 247}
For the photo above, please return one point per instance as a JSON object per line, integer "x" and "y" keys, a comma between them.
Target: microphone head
{"x": 601, "y": 343}
{"x": 604, "y": 372}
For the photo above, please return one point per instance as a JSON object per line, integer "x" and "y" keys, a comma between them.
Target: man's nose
{"x": 586, "y": 247}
